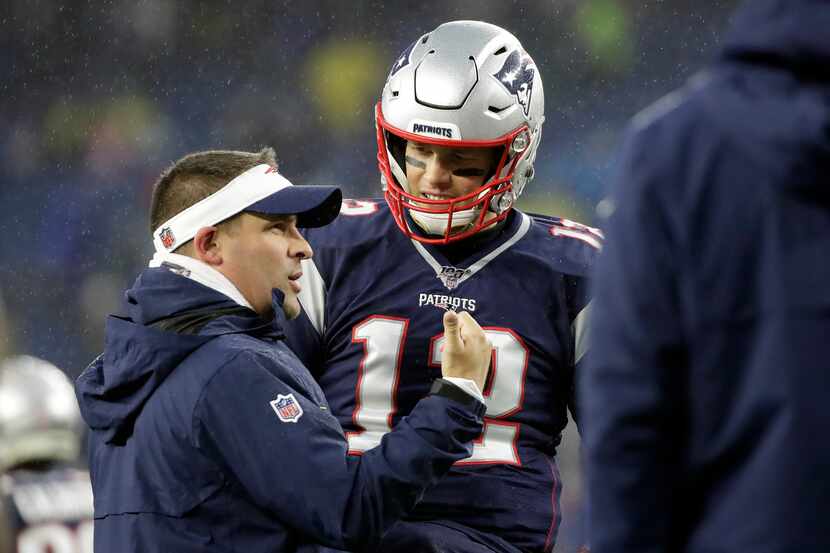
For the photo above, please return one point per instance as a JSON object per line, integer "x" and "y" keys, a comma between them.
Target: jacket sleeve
{"x": 630, "y": 389}
{"x": 294, "y": 463}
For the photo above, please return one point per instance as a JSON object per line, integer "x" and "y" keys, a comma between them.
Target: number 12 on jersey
{"x": 383, "y": 340}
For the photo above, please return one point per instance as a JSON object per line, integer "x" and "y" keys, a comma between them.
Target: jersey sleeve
{"x": 357, "y": 228}
{"x": 628, "y": 389}
{"x": 581, "y": 335}
{"x": 305, "y": 335}
{"x": 289, "y": 454}
{"x": 579, "y": 245}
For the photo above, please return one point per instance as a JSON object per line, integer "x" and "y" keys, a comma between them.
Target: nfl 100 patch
{"x": 287, "y": 408}
{"x": 451, "y": 276}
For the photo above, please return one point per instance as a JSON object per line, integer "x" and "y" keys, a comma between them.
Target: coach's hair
{"x": 196, "y": 176}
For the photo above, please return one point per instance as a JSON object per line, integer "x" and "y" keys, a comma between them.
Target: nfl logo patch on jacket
{"x": 287, "y": 408}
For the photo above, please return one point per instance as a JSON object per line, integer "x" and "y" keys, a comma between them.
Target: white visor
{"x": 260, "y": 189}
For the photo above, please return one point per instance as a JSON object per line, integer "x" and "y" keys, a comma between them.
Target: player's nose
{"x": 437, "y": 172}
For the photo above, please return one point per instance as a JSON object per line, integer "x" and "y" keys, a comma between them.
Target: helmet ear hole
{"x": 397, "y": 147}
{"x": 495, "y": 166}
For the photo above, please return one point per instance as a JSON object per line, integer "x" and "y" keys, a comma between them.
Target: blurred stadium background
{"x": 98, "y": 97}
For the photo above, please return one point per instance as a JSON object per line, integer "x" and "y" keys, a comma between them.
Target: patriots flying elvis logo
{"x": 516, "y": 75}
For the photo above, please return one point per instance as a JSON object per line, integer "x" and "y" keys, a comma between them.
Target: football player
{"x": 45, "y": 500}
{"x": 458, "y": 128}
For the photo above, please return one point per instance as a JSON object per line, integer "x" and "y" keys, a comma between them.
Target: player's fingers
{"x": 469, "y": 329}
{"x": 451, "y": 332}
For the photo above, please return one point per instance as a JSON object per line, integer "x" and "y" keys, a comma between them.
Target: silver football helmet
{"x": 465, "y": 84}
{"x": 39, "y": 415}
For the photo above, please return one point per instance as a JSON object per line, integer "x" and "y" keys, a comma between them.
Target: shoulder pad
{"x": 357, "y": 208}
{"x": 565, "y": 228}
{"x": 361, "y": 223}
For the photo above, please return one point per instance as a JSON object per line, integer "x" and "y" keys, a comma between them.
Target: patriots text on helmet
{"x": 432, "y": 129}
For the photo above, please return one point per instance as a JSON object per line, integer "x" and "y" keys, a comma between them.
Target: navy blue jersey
{"x": 371, "y": 334}
{"x": 46, "y": 511}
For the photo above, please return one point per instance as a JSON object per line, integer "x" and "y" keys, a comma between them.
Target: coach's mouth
{"x": 293, "y": 281}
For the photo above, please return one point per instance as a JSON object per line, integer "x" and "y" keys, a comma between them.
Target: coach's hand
{"x": 467, "y": 352}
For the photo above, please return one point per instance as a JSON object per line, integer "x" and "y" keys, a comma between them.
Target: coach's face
{"x": 262, "y": 253}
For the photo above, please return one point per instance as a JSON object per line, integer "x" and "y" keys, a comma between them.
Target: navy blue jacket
{"x": 706, "y": 415}
{"x": 189, "y": 451}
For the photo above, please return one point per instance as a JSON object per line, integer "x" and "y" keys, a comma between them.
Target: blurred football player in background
{"x": 705, "y": 407}
{"x": 45, "y": 500}
{"x": 458, "y": 127}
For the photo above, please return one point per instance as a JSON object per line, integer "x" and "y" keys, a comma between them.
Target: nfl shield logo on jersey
{"x": 451, "y": 276}
{"x": 287, "y": 408}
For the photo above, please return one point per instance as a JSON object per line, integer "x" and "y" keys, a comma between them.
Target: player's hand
{"x": 467, "y": 352}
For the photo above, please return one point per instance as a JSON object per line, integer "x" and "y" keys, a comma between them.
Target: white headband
{"x": 248, "y": 188}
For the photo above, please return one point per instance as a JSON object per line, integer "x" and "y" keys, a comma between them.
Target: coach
{"x": 207, "y": 433}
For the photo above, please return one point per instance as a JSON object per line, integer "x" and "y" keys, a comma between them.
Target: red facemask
{"x": 495, "y": 191}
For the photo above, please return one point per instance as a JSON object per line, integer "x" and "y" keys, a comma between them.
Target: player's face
{"x": 441, "y": 173}
{"x": 260, "y": 254}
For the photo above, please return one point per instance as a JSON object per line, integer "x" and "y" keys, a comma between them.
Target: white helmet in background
{"x": 465, "y": 84}
{"x": 39, "y": 415}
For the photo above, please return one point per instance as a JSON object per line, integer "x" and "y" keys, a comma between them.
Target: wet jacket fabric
{"x": 705, "y": 411}
{"x": 208, "y": 434}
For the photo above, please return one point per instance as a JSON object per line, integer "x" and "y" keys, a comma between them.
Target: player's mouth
{"x": 429, "y": 196}
{"x": 436, "y": 196}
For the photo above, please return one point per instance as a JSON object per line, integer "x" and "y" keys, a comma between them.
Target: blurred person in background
{"x": 207, "y": 433}
{"x": 45, "y": 499}
{"x": 458, "y": 127}
{"x": 705, "y": 411}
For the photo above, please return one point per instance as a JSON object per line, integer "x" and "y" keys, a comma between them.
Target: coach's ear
{"x": 206, "y": 247}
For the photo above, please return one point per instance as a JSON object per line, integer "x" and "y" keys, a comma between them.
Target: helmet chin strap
{"x": 436, "y": 223}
